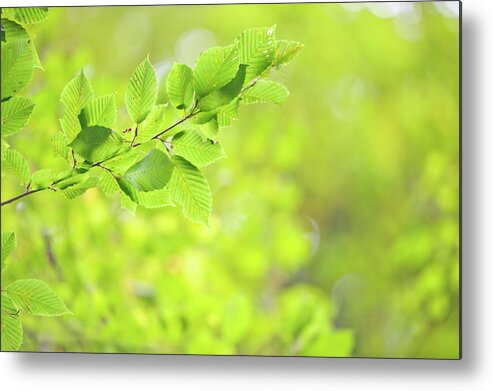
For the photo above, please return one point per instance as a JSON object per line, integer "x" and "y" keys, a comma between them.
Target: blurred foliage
{"x": 334, "y": 230}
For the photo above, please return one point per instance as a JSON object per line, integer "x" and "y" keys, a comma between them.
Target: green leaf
{"x": 9, "y": 243}
{"x": 77, "y": 189}
{"x": 26, "y": 15}
{"x": 209, "y": 129}
{"x": 197, "y": 150}
{"x": 189, "y": 188}
{"x": 257, "y": 49}
{"x": 153, "y": 124}
{"x": 17, "y": 66}
{"x": 14, "y": 31}
{"x": 121, "y": 163}
{"x": 179, "y": 86}
{"x": 108, "y": 183}
{"x": 96, "y": 143}
{"x": 42, "y": 179}
{"x": 36, "y": 298}
{"x": 75, "y": 96}
{"x": 101, "y": 111}
{"x": 203, "y": 117}
{"x": 155, "y": 199}
{"x": 70, "y": 177}
{"x": 215, "y": 68}
{"x": 15, "y": 114}
{"x": 5, "y": 147}
{"x": 286, "y": 51}
{"x": 151, "y": 173}
{"x": 14, "y": 161}
{"x": 59, "y": 142}
{"x": 11, "y": 325}
{"x": 225, "y": 94}
{"x": 265, "y": 91}
{"x": 227, "y": 114}
{"x": 148, "y": 199}
{"x": 141, "y": 92}
{"x": 127, "y": 203}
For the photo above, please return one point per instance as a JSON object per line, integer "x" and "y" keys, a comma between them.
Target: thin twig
{"x": 99, "y": 164}
{"x": 25, "y": 194}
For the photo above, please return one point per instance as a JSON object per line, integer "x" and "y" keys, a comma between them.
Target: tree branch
{"x": 16, "y": 198}
{"x": 98, "y": 164}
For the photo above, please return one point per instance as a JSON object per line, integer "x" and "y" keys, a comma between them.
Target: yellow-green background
{"x": 335, "y": 223}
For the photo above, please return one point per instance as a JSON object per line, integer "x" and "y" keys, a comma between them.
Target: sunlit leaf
{"x": 26, "y": 15}
{"x": 14, "y": 31}
{"x": 225, "y": 94}
{"x": 153, "y": 123}
{"x": 141, "y": 92}
{"x": 197, "y": 150}
{"x": 41, "y": 179}
{"x": 227, "y": 114}
{"x": 151, "y": 173}
{"x": 97, "y": 143}
{"x": 121, "y": 163}
{"x": 36, "y": 298}
{"x": 101, "y": 111}
{"x": 265, "y": 91}
{"x": 11, "y": 325}
{"x": 286, "y": 51}
{"x": 15, "y": 162}
{"x": 15, "y": 114}
{"x": 107, "y": 183}
{"x": 214, "y": 69}
{"x": 179, "y": 85}
{"x": 256, "y": 49}
{"x": 189, "y": 188}
{"x": 78, "y": 189}
{"x": 75, "y": 96}
{"x": 9, "y": 244}
{"x": 17, "y": 66}
{"x": 155, "y": 198}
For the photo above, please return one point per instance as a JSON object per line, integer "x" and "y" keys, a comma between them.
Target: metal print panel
{"x": 263, "y": 179}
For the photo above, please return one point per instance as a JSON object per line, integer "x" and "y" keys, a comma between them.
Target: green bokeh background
{"x": 335, "y": 223}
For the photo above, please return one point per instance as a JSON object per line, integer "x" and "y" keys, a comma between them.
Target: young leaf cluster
{"x": 156, "y": 161}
